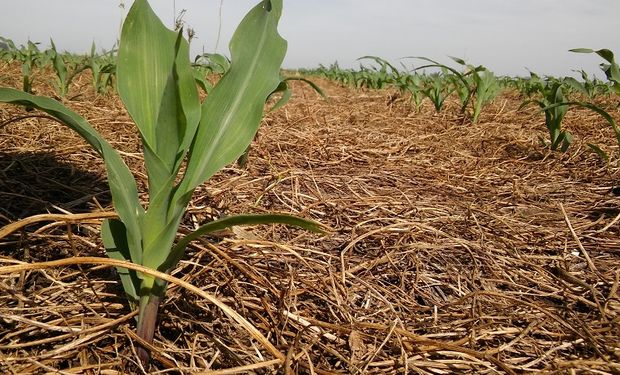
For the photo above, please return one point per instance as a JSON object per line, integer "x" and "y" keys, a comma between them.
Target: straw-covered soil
{"x": 453, "y": 248}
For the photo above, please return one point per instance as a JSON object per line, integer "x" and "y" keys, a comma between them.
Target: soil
{"x": 453, "y": 247}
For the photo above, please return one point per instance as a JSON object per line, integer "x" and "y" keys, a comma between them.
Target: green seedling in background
{"x": 66, "y": 68}
{"x": 553, "y": 105}
{"x": 103, "y": 69}
{"x": 611, "y": 68}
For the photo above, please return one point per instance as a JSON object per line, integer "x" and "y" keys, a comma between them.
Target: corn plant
{"x": 156, "y": 84}
{"x": 8, "y": 50}
{"x": 437, "y": 91}
{"x": 487, "y": 87}
{"x": 553, "y": 104}
{"x": 414, "y": 84}
{"x": 103, "y": 69}
{"x": 65, "y": 69}
{"x": 611, "y": 68}
{"x": 480, "y": 87}
{"x": 460, "y": 78}
{"x": 590, "y": 87}
{"x": 30, "y": 57}
{"x": 530, "y": 86}
{"x": 612, "y": 72}
{"x": 377, "y": 77}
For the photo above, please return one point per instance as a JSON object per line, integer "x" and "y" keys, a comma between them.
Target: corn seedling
{"x": 611, "y": 68}
{"x": 554, "y": 106}
{"x": 588, "y": 87}
{"x": 65, "y": 70}
{"x": 530, "y": 86}
{"x": 437, "y": 91}
{"x": 414, "y": 85}
{"x": 103, "y": 69}
{"x": 8, "y": 50}
{"x": 437, "y": 81}
{"x": 480, "y": 86}
{"x": 30, "y": 57}
{"x": 176, "y": 129}
{"x": 377, "y": 77}
{"x": 486, "y": 89}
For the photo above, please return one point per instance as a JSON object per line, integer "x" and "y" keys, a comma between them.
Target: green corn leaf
{"x": 152, "y": 60}
{"x": 286, "y": 92}
{"x": 114, "y": 235}
{"x": 232, "y": 112}
{"x": 201, "y": 81}
{"x": 567, "y": 139}
{"x": 214, "y": 62}
{"x": 231, "y": 221}
{"x": 122, "y": 184}
{"x": 60, "y": 68}
{"x": 599, "y": 151}
{"x": 612, "y": 70}
{"x": 230, "y": 118}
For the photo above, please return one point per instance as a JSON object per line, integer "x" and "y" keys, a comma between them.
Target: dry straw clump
{"x": 455, "y": 248}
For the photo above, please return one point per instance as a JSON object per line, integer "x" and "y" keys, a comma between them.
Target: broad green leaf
{"x": 120, "y": 179}
{"x": 233, "y": 110}
{"x": 152, "y": 60}
{"x": 287, "y": 93}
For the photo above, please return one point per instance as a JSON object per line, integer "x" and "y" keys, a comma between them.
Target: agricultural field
{"x": 444, "y": 221}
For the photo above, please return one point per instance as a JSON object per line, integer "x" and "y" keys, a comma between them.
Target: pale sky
{"x": 507, "y": 36}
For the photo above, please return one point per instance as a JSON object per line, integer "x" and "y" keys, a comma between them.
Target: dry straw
{"x": 457, "y": 249}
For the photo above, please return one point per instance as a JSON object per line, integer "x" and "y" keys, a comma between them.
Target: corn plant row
{"x": 477, "y": 86}
{"x": 102, "y": 65}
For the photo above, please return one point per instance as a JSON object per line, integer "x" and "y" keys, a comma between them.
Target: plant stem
{"x": 147, "y": 319}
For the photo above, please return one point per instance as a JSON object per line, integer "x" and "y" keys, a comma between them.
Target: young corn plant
{"x": 553, "y": 104}
{"x": 436, "y": 90}
{"x": 103, "y": 69}
{"x": 65, "y": 71}
{"x": 8, "y": 50}
{"x": 457, "y": 79}
{"x": 611, "y": 68}
{"x": 481, "y": 86}
{"x": 589, "y": 87}
{"x": 414, "y": 85}
{"x": 156, "y": 84}
{"x": 612, "y": 72}
{"x": 531, "y": 86}
{"x": 487, "y": 87}
{"x": 30, "y": 57}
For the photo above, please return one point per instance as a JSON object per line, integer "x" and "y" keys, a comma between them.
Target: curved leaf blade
{"x": 156, "y": 83}
{"x": 121, "y": 181}
{"x": 232, "y": 112}
{"x": 230, "y": 221}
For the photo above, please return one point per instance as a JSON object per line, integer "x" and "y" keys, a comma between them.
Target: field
{"x": 453, "y": 247}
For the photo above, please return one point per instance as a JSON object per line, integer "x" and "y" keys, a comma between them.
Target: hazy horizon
{"x": 509, "y": 37}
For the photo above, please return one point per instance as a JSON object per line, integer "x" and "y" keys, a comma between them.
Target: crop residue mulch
{"x": 455, "y": 248}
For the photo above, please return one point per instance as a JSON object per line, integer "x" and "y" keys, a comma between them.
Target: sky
{"x": 508, "y": 36}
